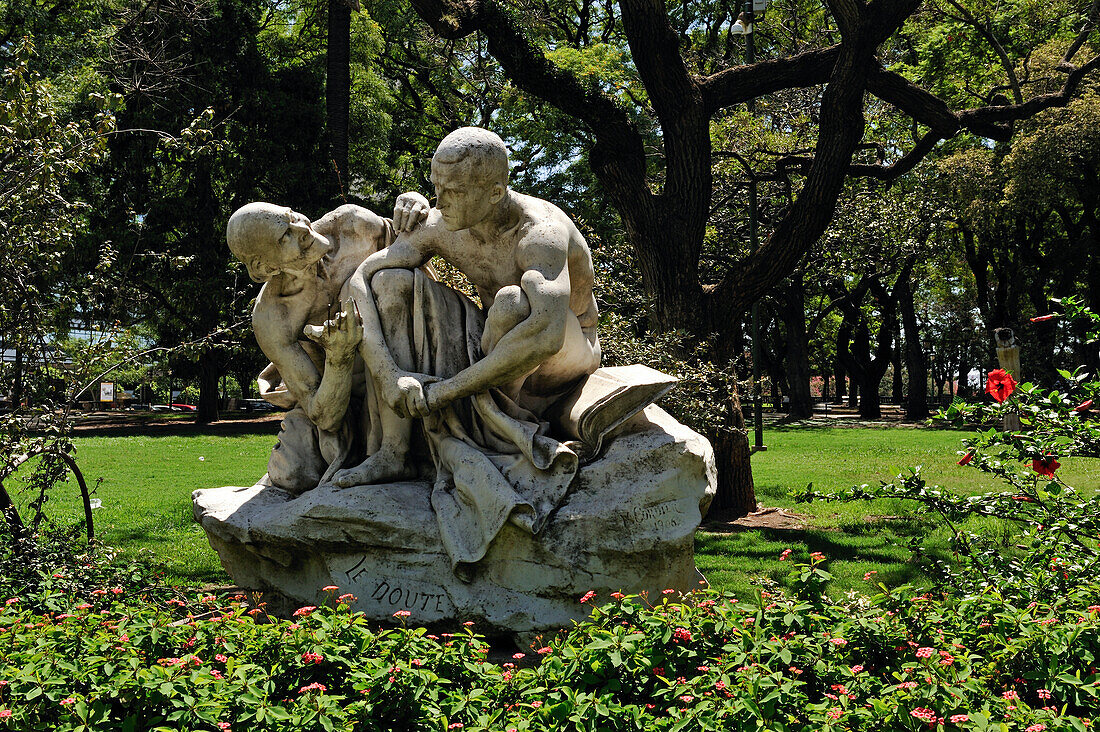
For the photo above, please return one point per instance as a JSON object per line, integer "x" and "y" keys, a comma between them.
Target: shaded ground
{"x": 779, "y": 519}
{"x": 157, "y": 424}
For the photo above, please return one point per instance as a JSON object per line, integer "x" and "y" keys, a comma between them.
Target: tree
{"x": 664, "y": 204}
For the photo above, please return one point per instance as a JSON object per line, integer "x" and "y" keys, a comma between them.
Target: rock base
{"x": 627, "y": 525}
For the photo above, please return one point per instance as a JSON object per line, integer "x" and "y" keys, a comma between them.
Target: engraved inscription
{"x": 661, "y": 516}
{"x": 401, "y": 597}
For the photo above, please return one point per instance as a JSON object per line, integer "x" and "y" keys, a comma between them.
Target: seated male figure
{"x": 533, "y": 272}
{"x": 312, "y": 350}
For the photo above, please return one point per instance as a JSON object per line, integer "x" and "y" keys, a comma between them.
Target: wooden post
{"x": 1008, "y": 356}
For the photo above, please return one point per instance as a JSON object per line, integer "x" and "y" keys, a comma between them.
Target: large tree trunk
{"x": 841, "y": 379}
{"x": 338, "y": 92}
{"x": 209, "y": 374}
{"x": 798, "y": 349}
{"x": 916, "y": 366}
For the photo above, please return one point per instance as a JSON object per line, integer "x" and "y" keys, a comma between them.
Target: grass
{"x": 147, "y": 483}
{"x": 857, "y": 537}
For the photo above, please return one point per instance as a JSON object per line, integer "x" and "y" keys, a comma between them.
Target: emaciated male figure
{"x": 312, "y": 350}
{"x": 479, "y": 377}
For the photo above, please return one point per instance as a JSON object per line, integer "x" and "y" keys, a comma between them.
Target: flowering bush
{"x": 901, "y": 659}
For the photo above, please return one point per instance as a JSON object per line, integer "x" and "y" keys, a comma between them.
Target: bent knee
{"x": 392, "y": 284}
{"x": 510, "y": 306}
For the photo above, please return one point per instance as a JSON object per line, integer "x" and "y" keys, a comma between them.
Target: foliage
{"x": 900, "y": 659}
{"x": 1049, "y": 544}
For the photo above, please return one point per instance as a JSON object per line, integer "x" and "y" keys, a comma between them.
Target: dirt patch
{"x": 779, "y": 519}
{"x": 106, "y": 424}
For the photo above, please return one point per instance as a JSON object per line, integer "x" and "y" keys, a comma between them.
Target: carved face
{"x": 273, "y": 239}
{"x": 461, "y": 199}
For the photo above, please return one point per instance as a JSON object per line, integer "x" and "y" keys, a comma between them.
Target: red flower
{"x": 1083, "y": 406}
{"x": 1045, "y": 466}
{"x": 1044, "y": 318}
{"x": 966, "y": 458}
{"x": 1000, "y": 385}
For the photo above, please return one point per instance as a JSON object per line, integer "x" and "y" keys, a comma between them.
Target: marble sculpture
{"x": 452, "y": 458}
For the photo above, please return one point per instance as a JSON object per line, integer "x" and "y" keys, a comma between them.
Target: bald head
{"x": 481, "y": 152}
{"x": 270, "y": 239}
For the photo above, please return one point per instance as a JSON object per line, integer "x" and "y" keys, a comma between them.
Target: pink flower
{"x": 468, "y": 623}
{"x": 588, "y": 596}
{"x": 67, "y": 701}
{"x": 924, "y": 714}
{"x": 1036, "y": 728}
{"x": 687, "y": 698}
{"x": 220, "y": 658}
{"x": 907, "y": 685}
{"x": 345, "y": 597}
{"x": 959, "y": 718}
{"x": 1043, "y": 693}
{"x": 618, "y": 595}
{"x": 304, "y": 612}
{"x": 518, "y": 656}
{"x": 667, "y": 592}
{"x": 329, "y": 588}
{"x": 867, "y": 576}
{"x": 925, "y": 652}
{"x": 786, "y": 553}
{"x": 835, "y": 713}
{"x": 402, "y": 614}
{"x": 5, "y": 713}
{"x": 319, "y": 688}
{"x": 1010, "y": 695}
{"x": 856, "y": 669}
{"x": 216, "y": 674}
{"x": 536, "y": 704}
{"x": 544, "y": 650}
{"x": 681, "y": 635}
{"x": 838, "y": 641}
{"x": 455, "y": 725}
{"x": 224, "y": 726}
{"x": 13, "y": 600}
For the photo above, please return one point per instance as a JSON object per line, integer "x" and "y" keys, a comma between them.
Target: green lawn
{"x": 857, "y": 537}
{"x": 147, "y": 482}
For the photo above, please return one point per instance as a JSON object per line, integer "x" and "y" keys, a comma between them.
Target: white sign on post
{"x": 106, "y": 391}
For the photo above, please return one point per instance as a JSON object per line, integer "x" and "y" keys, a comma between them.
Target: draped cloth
{"x": 493, "y": 459}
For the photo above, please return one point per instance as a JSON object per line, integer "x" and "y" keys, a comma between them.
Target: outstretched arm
{"x": 543, "y": 256}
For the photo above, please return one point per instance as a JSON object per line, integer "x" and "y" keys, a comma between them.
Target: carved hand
{"x": 409, "y": 211}
{"x": 341, "y": 336}
{"x": 406, "y": 394}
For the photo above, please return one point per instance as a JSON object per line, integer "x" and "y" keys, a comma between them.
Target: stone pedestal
{"x": 627, "y": 524}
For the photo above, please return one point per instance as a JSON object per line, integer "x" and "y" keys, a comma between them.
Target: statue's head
{"x": 470, "y": 175}
{"x": 270, "y": 239}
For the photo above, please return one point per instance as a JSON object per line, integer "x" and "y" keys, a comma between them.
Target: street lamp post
{"x": 744, "y": 25}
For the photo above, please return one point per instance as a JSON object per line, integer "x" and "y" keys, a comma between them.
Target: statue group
{"x": 451, "y": 457}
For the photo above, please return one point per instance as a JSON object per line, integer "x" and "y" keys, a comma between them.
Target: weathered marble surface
{"x": 627, "y": 525}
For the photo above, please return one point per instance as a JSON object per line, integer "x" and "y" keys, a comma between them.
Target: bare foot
{"x": 384, "y": 466}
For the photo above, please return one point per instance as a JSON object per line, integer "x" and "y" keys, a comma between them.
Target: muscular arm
{"x": 543, "y": 256}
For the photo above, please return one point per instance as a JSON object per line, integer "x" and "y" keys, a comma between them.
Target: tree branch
{"x": 618, "y": 142}
{"x": 739, "y": 84}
